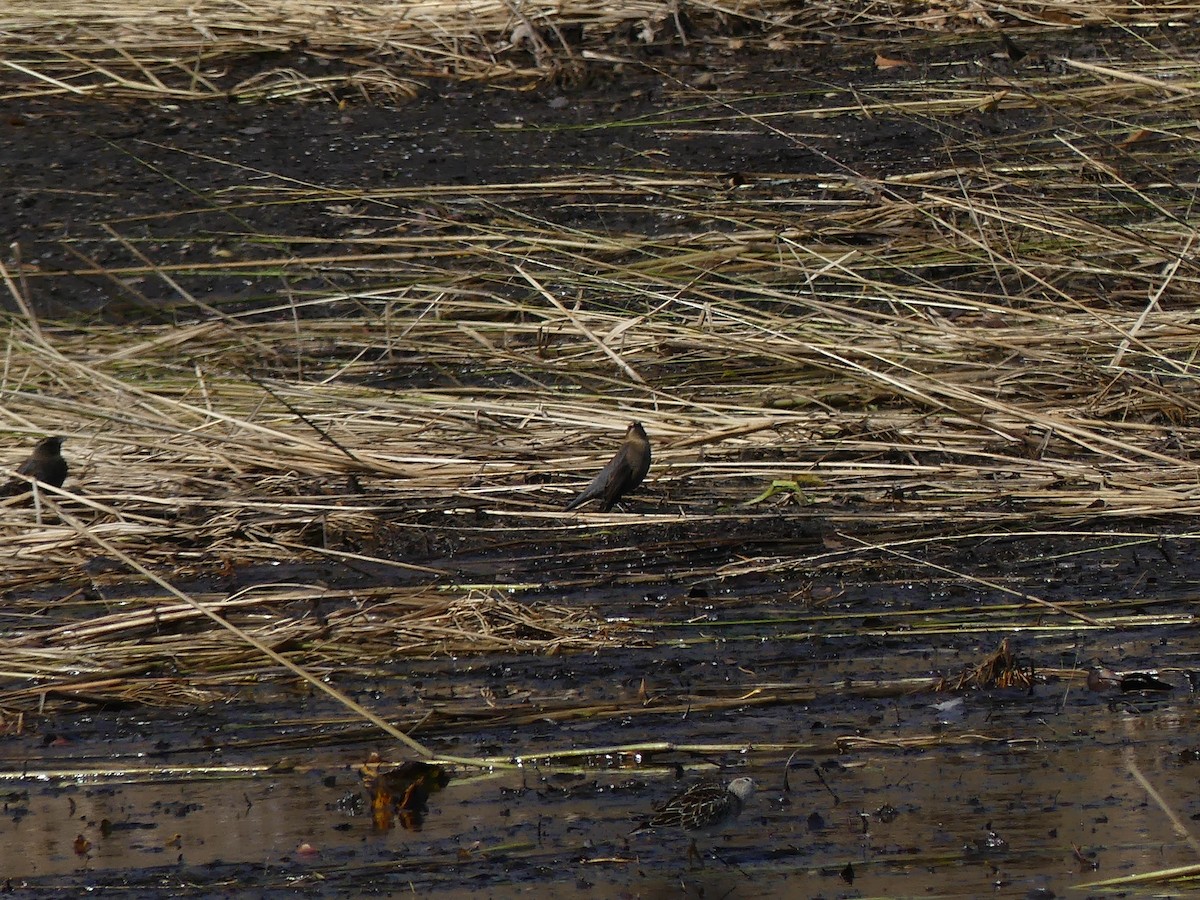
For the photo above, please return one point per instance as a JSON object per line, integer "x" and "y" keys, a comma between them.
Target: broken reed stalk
{"x": 1185, "y": 874}
{"x": 277, "y": 658}
{"x": 983, "y": 582}
{"x": 1178, "y": 825}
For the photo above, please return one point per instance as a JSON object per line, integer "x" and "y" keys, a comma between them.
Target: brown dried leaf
{"x": 884, "y": 62}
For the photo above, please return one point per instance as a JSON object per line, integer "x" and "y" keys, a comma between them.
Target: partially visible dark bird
{"x": 46, "y": 464}
{"x": 623, "y": 473}
{"x": 1102, "y": 678}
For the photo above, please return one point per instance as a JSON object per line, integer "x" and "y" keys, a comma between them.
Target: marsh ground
{"x": 290, "y": 345}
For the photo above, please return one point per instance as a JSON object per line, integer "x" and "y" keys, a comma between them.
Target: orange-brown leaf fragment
{"x": 885, "y": 62}
{"x": 381, "y": 806}
{"x": 1136, "y": 138}
{"x": 402, "y": 788}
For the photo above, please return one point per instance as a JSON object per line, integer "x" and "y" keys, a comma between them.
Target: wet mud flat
{"x": 876, "y": 776}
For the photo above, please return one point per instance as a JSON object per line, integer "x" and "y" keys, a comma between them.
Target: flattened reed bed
{"x": 170, "y": 50}
{"x": 158, "y": 652}
{"x": 885, "y": 403}
{"x": 998, "y": 339}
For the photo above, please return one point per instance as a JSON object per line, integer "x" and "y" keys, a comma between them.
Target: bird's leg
{"x": 693, "y": 853}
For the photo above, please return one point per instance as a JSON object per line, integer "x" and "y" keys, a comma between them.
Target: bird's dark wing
{"x": 614, "y": 473}
{"x": 15, "y": 486}
{"x": 619, "y": 482}
{"x": 48, "y": 468}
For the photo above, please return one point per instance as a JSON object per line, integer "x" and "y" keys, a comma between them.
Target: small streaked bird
{"x": 708, "y": 806}
{"x": 45, "y": 464}
{"x": 623, "y": 473}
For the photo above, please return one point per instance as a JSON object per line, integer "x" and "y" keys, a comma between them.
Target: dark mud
{"x": 895, "y": 790}
{"x": 161, "y": 175}
{"x": 871, "y": 782}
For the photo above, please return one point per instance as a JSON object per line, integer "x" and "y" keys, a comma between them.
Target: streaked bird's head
{"x": 742, "y": 788}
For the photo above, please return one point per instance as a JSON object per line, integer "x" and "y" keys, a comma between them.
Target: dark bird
{"x": 45, "y": 464}
{"x": 707, "y": 806}
{"x": 1102, "y": 678}
{"x": 623, "y": 473}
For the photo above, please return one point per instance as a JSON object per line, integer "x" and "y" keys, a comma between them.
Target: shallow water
{"x": 893, "y": 788}
{"x": 1010, "y": 792}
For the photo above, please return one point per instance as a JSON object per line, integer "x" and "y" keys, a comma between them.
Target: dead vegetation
{"x": 1003, "y": 340}
{"x": 1002, "y": 669}
{"x": 171, "y": 50}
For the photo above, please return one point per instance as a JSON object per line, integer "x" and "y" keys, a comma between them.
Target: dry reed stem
{"x": 178, "y": 51}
